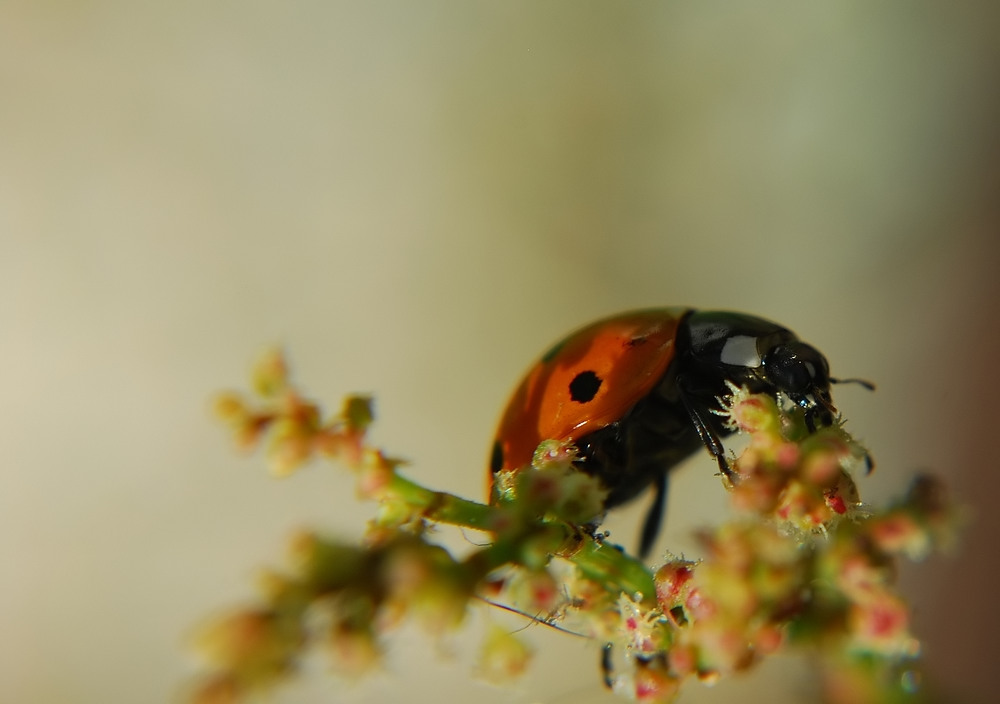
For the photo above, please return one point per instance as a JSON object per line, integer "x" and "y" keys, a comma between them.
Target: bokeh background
{"x": 415, "y": 199}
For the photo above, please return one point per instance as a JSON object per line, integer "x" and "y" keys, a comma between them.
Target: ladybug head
{"x": 751, "y": 352}
{"x": 800, "y": 372}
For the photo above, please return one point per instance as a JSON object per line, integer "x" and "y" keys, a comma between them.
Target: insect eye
{"x": 796, "y": 368}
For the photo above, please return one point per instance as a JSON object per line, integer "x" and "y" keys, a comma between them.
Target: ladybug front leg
{"x": 710, "y": 438}
{"x": 654, "y": 517}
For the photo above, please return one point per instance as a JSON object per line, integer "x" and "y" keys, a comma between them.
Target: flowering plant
{"x": 804, "y": 564}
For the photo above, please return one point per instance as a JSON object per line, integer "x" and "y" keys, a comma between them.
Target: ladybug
{"x": 635, "y": 393}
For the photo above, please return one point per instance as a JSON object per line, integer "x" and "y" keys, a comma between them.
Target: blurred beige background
{"x": 415, "y": 199}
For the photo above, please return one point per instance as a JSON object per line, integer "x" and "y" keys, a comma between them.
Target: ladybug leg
{"x": 600, "y": 536}
{"x": 654, "y": 517}
{"x": 709, "y": 437}
{"x": 607, "y": 666}
{"x": 869, "y": 463}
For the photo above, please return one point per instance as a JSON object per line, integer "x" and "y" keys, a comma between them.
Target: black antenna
{"x": 861, "y": 382}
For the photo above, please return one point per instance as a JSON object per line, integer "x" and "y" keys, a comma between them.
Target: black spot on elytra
{"x": 496, "y": 458}
{"x": 584, "y": 386}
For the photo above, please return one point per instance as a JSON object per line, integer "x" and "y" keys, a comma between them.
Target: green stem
{"x": 601, "y": 562}
{"x": 610, "y": 566}
{"x": 442, "y": 507}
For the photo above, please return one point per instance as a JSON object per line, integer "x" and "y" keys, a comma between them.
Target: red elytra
{"x": 627, "y": 355}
